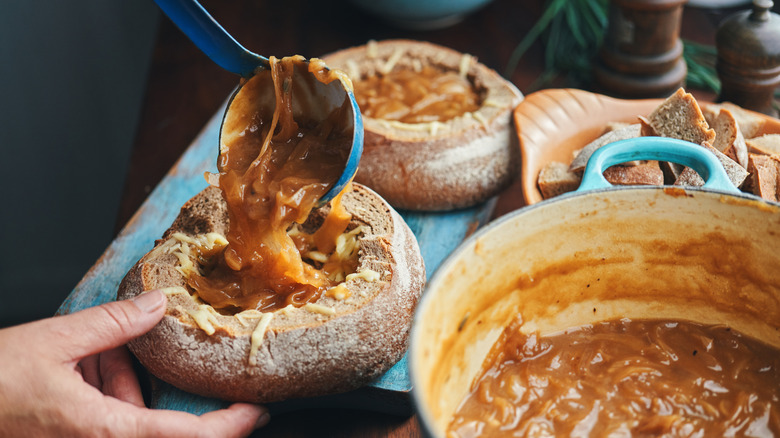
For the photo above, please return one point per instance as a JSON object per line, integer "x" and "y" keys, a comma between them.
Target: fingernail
{"x": 263, "y": 420}
{"x": 149, "y": 302}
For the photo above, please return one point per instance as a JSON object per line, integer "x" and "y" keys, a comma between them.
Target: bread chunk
{"x": 556, "y": 179}
{"x": 749, "y": 123}
{"x": 645, "y": 173}
{"x": 679, "y": 116}
{"x": 736, "y": 173}
{"x": 729, "y": 139}
{"x": 764, "y": 172}
{"x": 626, "y": 132}
{"x": 768, "y": 144}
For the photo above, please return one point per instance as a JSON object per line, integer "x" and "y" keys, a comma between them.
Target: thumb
{"x": 107, "y": 326}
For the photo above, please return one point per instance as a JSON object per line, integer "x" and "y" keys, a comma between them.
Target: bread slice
{"x": 750, "y": 124}
{"x": 623, "y": 133}
{"x": 736, "y": 173}
{"x": 768, "y": 144}
{"x": 765, "y": 176}
{"x": 679, "y": 116}
{"x": 347, "y": 337}
{"x": 729, "y": 139}
{"x": 555, "y": 179}
{"x": 436, "y": 165}
{"x": 644, "y": 173}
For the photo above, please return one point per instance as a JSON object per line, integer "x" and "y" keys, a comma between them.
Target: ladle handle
{"x": 211, "y": 38}
{"x": 656, "y": 148}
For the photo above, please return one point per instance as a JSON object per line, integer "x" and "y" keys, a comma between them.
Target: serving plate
{"x": 552, "y": 124}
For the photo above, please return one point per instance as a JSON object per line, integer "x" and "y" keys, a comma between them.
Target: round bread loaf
{"x": 338, "y": 343}
{"x": 436, "y": 165}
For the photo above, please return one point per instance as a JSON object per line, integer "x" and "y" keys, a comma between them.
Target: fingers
{"x": 118, "y": 377}
{"x": 106, "y": 326}
{"x": 239, "y": 420}
{"x": 90, "y": 372}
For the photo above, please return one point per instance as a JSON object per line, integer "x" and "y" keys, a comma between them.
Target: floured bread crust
{"x": 436, "y": 166}
{"x": 340, "y": 342}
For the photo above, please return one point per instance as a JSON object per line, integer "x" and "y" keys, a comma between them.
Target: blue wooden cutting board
{"x": 437, "y": 233}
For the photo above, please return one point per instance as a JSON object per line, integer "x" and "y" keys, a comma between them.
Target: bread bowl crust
{"x": 439, "y": 166}
{"x": 303, "y": 353}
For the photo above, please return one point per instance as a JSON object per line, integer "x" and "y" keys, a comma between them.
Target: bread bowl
{"x": 269, "y": 296}
{"x": 327, "y": 346}
{"x": 434, "y": 165}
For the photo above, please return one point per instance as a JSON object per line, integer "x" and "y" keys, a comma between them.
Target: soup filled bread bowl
{"x": 438, "y": 124}
{"x": 271, "y": 295}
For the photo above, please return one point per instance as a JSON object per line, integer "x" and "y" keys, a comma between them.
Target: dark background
{"x": 72, "y": 80}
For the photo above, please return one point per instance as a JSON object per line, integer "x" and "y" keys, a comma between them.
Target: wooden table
{"x": 185, "y": 89}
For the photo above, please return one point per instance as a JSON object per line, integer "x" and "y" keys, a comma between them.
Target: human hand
{"x": 71, "y": 376}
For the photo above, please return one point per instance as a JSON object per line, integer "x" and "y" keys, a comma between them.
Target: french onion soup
{"x": 408, "y": 96}
{"x": 275, "y": 163}
{"x": 625, "y": 378}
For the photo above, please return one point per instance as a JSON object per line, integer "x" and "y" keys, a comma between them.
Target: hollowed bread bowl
{"x": 435, "y": 165}
{"x": 338, "y": 343}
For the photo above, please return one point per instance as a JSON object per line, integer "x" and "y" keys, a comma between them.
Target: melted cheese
{"x": 173, "y": 290}
{"x": 352, "y": 68}
{"x": 181, "y": 246}
{"x": 392, "y": 61}
{"x": 366, "y": 274}
{"x": 492, "y": 102}
{"x": 417, "y": 65}
{"x": 257, "y": 336}
{"x": 339, "y": 292}
{"x": 205, "y": 319}
{"x": 189, "y": 249}
{"x": 287, "y": 310}
{"x": 247, "y": 314}
{"x": 465, "y": 63}
{"x": 372, "y": 49}
{"x": 319, "y": 308}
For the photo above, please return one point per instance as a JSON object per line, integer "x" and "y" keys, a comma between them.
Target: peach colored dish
{"x": 552, "y": 124}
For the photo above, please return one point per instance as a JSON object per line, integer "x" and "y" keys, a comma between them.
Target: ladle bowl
{"x": 213, "y": 40}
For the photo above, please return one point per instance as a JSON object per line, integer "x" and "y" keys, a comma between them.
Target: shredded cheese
{"x": 257, "y": 336}
{"x": 435, "y": 126}
{"x": 392, "y": 61}
{"x": 319, "y": 308}
{"x": 366, "y": 274}
{"x": 247, "y": 314}
{"x": 339, "y": 292}
{"x": 204, "y": 318}
{"x": 287, "y": 310}
{"x": 372, "y": 49}
{"x": 417, "y": 65}
{"x": 317, "y": 256}
{"x": 173, "y": 290}
{"x": 480, "y": 118}
{"x": 352, "y": 68}
{"x": 465, "y": 64}
{"x": 492, "y": 102}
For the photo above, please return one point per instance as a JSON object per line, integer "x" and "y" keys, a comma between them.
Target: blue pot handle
{"x": 682, "y": 152}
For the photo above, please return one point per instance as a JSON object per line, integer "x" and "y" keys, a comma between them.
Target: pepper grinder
{"x": 748, "y": 64}
{"x": 642, "y": 51}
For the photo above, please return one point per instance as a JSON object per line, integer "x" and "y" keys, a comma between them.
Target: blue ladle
{"x": 213, "y": 40}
